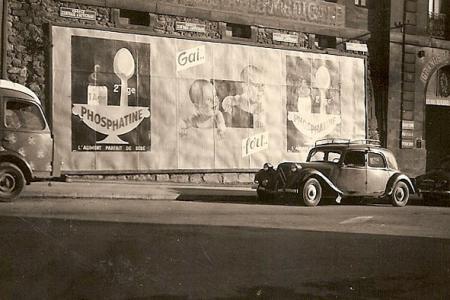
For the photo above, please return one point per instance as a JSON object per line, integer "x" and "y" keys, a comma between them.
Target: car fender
{"x": 396, "y": 178}
{"x": 308, "y": 173}
{"x": 17, "y": 159}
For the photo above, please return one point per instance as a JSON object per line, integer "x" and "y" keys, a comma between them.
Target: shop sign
{"x": 356, "y": 47}
{"x": 429, "y": 67}
{"x": 75, "y": 13}
{"x": 284, "y": 37}
{"x": 306, "y": 11}
{"x": 191, "y": 27}
{"x": 440, "y": 102}
{"x": 407, "y": 144}
{"x": 407, "y": 124}
{"x": 407, "y": 133}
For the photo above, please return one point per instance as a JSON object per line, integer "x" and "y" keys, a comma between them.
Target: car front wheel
{"x": 12, "y": 181}
{"x": 311, "y": 192}
{"x": 400, "y": 194}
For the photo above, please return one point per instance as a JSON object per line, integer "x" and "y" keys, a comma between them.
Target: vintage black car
{"x": 337, "y": 168}
{"x": 435, "y": 184}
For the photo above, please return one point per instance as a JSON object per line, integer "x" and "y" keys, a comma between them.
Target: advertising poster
{"x": 313, "y": 101}
{"x": 135, "y": 102}
{"x": 110, "y": 95}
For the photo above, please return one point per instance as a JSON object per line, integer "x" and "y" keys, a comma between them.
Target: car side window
{"x": 334, "y": 156}
{"x": 376, "y": 160}
{"x": 23, "y": 115}
{"x": 355, "y": 159}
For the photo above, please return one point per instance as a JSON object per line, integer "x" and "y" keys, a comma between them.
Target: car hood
{"x": 436, "y": 174}
{"x": 433, "y": 179}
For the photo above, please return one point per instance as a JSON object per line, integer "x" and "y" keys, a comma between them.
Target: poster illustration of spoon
{"x": 124, "y": 69}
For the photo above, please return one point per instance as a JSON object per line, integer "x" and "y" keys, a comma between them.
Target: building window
{"x": 435, "y": 6}
{"x": 238, "y": 30}
{"x": 443, "y": 82}
{"x": 437, "y": 18}
{"x": 362, "y": 3}
{"x": 133, "y": 17}
{"x": 325, "y": 41}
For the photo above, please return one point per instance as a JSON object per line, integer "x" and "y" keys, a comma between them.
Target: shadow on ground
{"x": 249, "y": 197}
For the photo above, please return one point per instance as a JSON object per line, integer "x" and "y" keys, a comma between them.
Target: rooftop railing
{"x": 437, "y": 25}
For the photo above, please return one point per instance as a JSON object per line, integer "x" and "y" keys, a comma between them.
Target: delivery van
{"x": 27, "y": 151}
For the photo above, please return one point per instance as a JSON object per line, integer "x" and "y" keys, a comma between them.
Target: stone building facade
{"x": 340, "y": 27}
{"x": 418, "y": 115}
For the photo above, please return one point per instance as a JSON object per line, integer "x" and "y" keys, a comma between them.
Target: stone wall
{"x": 29, "y": 42}
{"x": 28, "y": 54}
{"x": 28, "y": 38}
{"x": 194, "y": 178}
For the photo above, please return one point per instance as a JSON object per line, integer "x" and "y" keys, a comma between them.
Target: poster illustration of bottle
{"x": 110, "y": 95}
{"x": 313, "y": 101}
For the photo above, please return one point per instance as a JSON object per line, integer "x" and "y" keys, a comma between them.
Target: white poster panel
{"x": 137, "y": 102}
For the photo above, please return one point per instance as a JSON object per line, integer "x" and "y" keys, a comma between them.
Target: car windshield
{"x": 325, "y": 155}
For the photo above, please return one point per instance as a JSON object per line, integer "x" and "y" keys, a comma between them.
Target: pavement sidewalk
{"x": 130, "y": 190}
{"x": 139, "y": 190}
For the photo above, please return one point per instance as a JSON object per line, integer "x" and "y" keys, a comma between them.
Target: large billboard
{"x": 136, "y": 102}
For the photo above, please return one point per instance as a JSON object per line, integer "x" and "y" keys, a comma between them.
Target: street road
{"x": 128, "y": 249}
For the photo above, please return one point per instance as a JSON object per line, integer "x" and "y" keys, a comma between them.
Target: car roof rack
{"x": 347, "y": 142}
{"x": 367, "y": 141}
{"x": 332, "y": 141}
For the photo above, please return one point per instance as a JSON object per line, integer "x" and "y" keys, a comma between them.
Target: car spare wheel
{"x": 311, "y": 192}
{"x": 400, "y": 194}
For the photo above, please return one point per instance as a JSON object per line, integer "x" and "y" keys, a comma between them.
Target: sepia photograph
{"x": 224, "y": 149}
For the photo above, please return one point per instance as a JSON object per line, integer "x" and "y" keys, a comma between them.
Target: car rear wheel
{"x": 400, "y": 194}
{"x": 311, "y": 192}
{"x": 12, "y": 181}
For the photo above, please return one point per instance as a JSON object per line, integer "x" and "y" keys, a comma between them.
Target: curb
{"x": 125, "y": 190}
{"x": 169, "y": 184}
{"x": 103, "y": 197}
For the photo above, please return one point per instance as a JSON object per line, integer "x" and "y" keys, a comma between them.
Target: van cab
{"x": 26, "y": 142}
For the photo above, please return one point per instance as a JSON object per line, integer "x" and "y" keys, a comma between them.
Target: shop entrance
{"x": 437, "y": 134}
{"x": 437, "y": 117}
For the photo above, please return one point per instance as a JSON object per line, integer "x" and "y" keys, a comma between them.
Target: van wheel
{"x": 311, "y": 192}
{"x": 400, "y": 194}
{"x": 12, "y": 181}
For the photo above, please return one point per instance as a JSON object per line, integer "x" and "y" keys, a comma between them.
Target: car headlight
{"x": 295, "y": 168}
{"x": 267, "y": 166}
{"x": 442, "y": 184}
